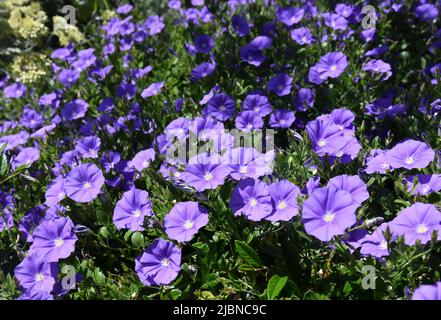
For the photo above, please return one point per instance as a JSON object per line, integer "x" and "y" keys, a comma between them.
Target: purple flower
{"x": 345, "y": 148}
{"x": 205, "y": 172}
{"x": 328, "y": 212}
{"x": 331, "y": 65}
{"x": 55, "y": 191}
{"x": 131, "y": 210}
{"x": 184, "y": 220}
{"x": 343, "y": 118}
{"x": 204, "y": 43}
{"x": 14, "y": 140}
{"x": 428, "y": 292}
{"x": 248, "y": 120}
{"x": 302, "y": 36}
{"x": 221, "y": 107}
{"x": 31, "y": 119}
{"x": 154, "y": 25}
{"x": 84, "y": 182}
{"x": 142, "y": 159}
{"x": 375, "y": 244}
{"x": 26, "y": 157}
{"x": 304, "y": 99}
{"x": 379, "y": 66}
{"x": 323, "y": 132}
{"x": 368, "y": 34}
{"x": 377, "y": 51}
{"x": 253, "y": 57}
{"x": 35, "y": 273}
{"x": 36, "y": 295}
{"x": 426, "y": 12}
{"x": 54, "y": 239}
{"x": 260, "y": 43}
{"x": 152, "y": 90}
{"x": 410, "y": 154}
{"x": 159, "y": 264}
{"x": 281, "y": 84}
{"x": 245, "y": 163}
{"x": 177, "y": 128}
{"x": 202, "y": 70}
{"x": 68, "y": 77}
{"x": 257, "y": 103}
{"x": 352, "y": 184}
{"x": 241, "y": 25}
{"x": 75, "y": 109}
{"x": 377, "y": 162}
{"x": 335, "y": 21}
{"x": 43, "y": 132}
{"x": 126, "y": 90}
{"x": 417, "y": 223}
{"x": 426, "y": 184}
{"x": 124, "y": 9}
{"x": 252, "y": 199}
{"x": 109, "y": 160}
{"x": 290, "y": 15}
{"x": 284, "y": 199}
{"x": 106, "y": 105}
{"x": 88, "y": 147}
{"x": 14, "y": 91}
{"x": 281, "y": 119}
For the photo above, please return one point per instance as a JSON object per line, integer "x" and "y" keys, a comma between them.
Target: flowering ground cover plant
{"x": 237, "y": 149}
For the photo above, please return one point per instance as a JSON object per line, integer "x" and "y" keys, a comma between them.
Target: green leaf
{"x": 347, "y": 288}
{"x": 210, "y": 280}
{"x": 104, "y": 232}
{"x": 138, "y": 239}
{"x": 201, "y": 246}
{"x": 275, "y": 286}
{"x": 248, "y": 254}
{"x": 3, "y": 165}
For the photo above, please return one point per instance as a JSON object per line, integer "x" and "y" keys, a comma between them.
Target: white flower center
{"x": 39, "y": 277}
{"x": 253, "y": 202}
{"x": 409, "y": 160}
{"x": 165, "y": 262}
{"x": 87, "y": 185}
{"x": 321, "y": 142}
{"x": 243, "y": 169}
{"x": 282, "y": 205}
{"x": 383, "y": 245}
{"x": 385, "y": 165}
{"x": 137, "y": 213}
{"x": 208, "y": 176}
{"x": 329, "y": 216}
{"x": 421, "y": 228}
{"x": 188, "y": 224}
{"x": 256, "y": 109}
{"x": 333, "y": 67}
{"x": 59, "y": 242}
